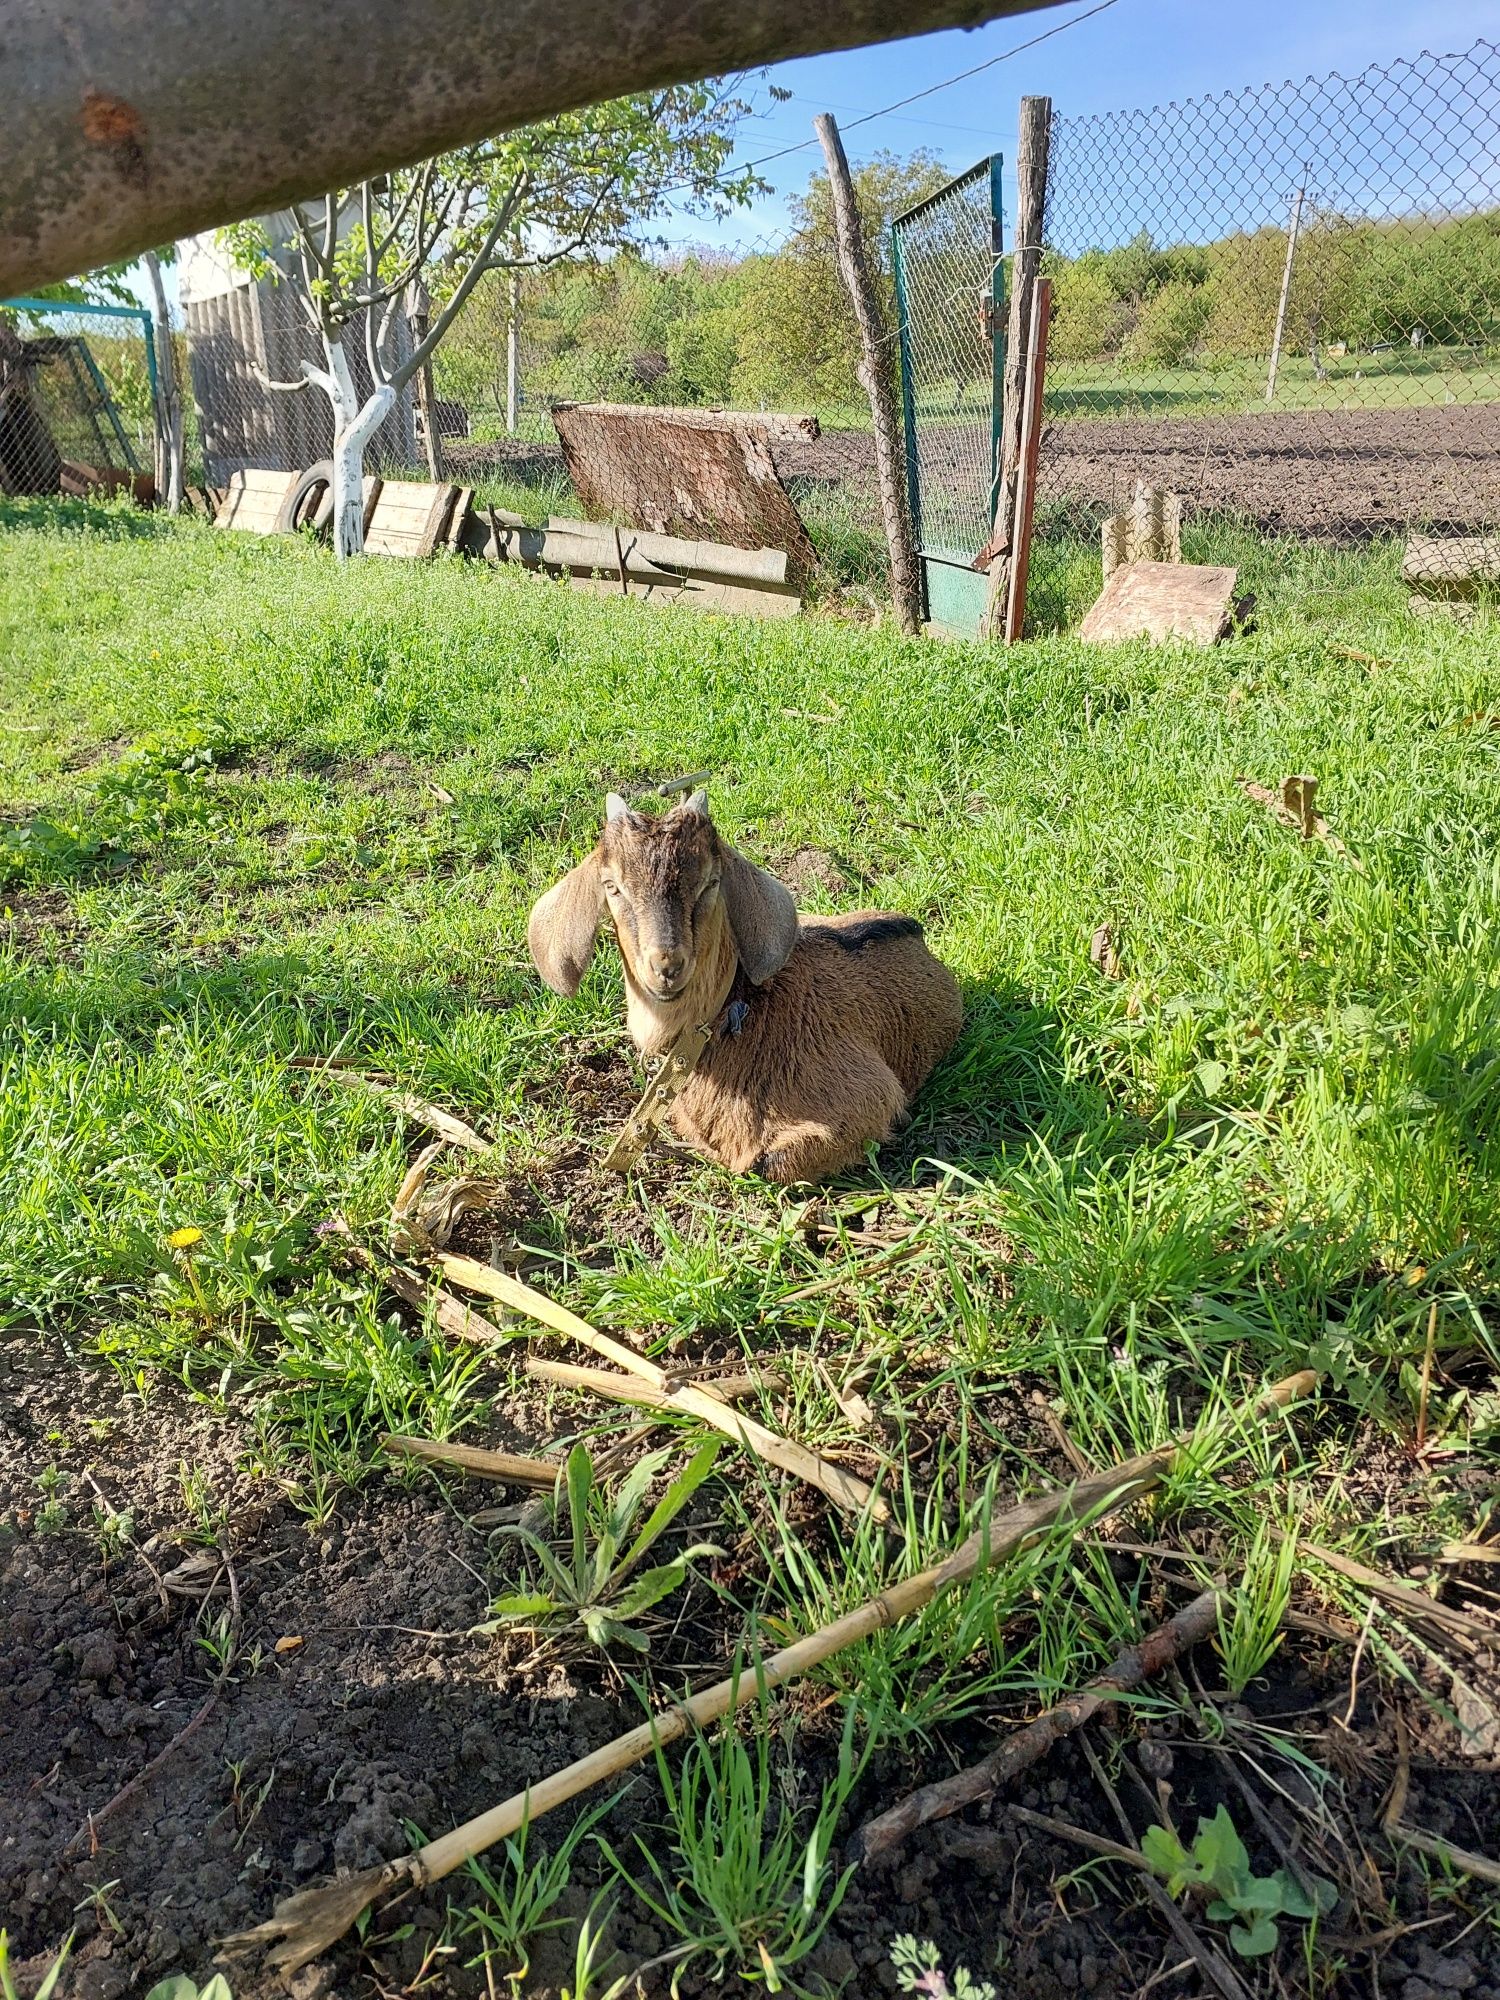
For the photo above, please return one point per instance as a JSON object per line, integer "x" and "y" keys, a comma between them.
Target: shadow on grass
{"x": 113, "y": 520}
{"x": 1008, "y": 1082}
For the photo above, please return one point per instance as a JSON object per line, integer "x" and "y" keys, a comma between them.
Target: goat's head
{"x": 670, "y": 885}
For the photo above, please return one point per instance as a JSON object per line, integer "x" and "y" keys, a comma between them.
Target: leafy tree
{"x": 574, "y": 185}
{"x": 1170, "y": 324}
{"x": 1087, "y": 317}
{"x": 798, "y": 339}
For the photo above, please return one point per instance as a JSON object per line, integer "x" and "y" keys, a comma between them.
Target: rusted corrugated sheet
{"x": 683, "y": 473}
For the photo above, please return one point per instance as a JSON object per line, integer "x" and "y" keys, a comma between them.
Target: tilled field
{"x": 1335, "y": 476}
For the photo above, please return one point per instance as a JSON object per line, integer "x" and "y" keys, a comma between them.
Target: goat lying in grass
{"x": 824, "y": 1027}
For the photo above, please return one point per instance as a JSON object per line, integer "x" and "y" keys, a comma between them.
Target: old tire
{"x": 310, "y": 502}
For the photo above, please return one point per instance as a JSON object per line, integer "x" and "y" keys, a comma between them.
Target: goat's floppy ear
{"x": 563, "y": 926}
{"x": 761, "y": 915}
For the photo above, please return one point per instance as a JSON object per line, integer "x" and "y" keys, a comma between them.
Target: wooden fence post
{"x": 418, "y": 310}
{"x": 168, "y": 470}
{"x": 876, "y": 376}
{"x": 1025, "y": 263}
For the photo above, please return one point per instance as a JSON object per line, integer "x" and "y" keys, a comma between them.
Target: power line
{"x": 963, "y": 76}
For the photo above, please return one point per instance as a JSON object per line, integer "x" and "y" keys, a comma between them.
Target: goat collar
{"x": 680, "y": 1059}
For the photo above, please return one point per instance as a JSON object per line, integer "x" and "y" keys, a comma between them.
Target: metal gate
{"x": 950, "y": 285}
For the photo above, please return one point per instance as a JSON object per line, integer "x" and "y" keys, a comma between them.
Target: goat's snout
{"x": 667, "y": 966}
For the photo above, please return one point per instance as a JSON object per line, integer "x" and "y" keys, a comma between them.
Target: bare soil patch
{"x": 1328, "y": 475}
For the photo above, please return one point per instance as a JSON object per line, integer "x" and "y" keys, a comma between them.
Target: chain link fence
{"x": 1283, "y": 304}
{"x": 949, "y": 302}
{"x": 77, "y": 396}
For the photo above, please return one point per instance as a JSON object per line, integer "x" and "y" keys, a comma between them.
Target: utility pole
{"x": 1286, "y": 283}
{"x": 513, "y": 357}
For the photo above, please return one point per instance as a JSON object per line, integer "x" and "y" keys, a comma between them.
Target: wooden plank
{"x": 1031, "y": 439}
{"x": 459, "y": 519}
{"x": 410, "y": 518}
{"x": 699, "y": 594}
{"x": 253, "y": 500}
{"x": 1155, "y": 600}
{"x": 775, "y": 425}
{"x": 709, "y": 479}
{"x": 1451, "y": 565}
{"x": 590, "y": 545}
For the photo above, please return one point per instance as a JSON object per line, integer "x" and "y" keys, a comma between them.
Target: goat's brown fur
{"x": 825, "y": 1027}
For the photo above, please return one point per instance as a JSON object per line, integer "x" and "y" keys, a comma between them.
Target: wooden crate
{"x": 253, "y": 500}
{"x": 411, "y": 518}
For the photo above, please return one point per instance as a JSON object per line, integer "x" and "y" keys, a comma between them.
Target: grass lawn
{"x": 259, "y": 808}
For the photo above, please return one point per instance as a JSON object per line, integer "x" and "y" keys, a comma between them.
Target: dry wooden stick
{"x": 1211, "y": 1962}
{"x": 449, "y": 1127}
{"x": 682, "y": 1057}
{"x": 308, "y": 1923}
{"x": 473, "y": 1459}
{"x": 845, "y": 1489}
{"x": 1478, "y": 1865}
{"x": 950, "y": 1795}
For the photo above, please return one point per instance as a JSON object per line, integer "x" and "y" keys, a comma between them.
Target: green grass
{"x": 1398, "y": 378}
{"x": 298, "y": 810}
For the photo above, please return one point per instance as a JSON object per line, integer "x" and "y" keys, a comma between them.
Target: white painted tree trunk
{"x": 353, "y": 427}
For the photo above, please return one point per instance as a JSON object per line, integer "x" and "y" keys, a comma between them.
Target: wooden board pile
{"x": 1149, "y": 591}
{"x": 413, "y": 519}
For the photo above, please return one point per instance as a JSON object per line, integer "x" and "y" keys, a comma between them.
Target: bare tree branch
{"x": 266, "y": 381}
{"x": 441, "y": 322}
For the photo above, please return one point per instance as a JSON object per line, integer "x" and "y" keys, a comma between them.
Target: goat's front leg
{"x": 867, "y": 1103}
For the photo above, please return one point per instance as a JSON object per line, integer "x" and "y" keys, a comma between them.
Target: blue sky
{"x": 1137, "y": 53}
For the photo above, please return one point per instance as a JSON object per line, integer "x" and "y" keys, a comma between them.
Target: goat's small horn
{"x": 615, "y": 807}
{"x": 698, "y": 803}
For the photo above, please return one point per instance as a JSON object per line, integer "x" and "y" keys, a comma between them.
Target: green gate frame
{"x": 953, "y": 591}
{"x": 95, "y": 392}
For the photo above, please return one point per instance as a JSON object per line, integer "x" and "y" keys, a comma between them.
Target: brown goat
{"x": 824, "y": 1027}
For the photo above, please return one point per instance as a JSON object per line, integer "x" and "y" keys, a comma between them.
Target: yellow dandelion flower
{"x": 184, "y": 1239}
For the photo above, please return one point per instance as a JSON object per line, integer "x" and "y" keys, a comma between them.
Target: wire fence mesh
{"x": 1283, "y": 304}
{"x": 948, "y": 261}
{"x": 76, "y": 396}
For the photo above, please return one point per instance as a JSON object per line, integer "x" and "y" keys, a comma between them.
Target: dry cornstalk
{"x": 845, "y": 1489}
{"x": 1415, "y": 1603}
{"x": 671, "y": 1079}
{"x": 306, "y": 1924}
{"x": 473, "y": 1459}
{"x": 413, "y": 1182}
{"x": 631, "y": 1389}
{"x": 449, "y": 1127}
{"x": 1292, "y": 804}
{"x": 1027, "y": 1746}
